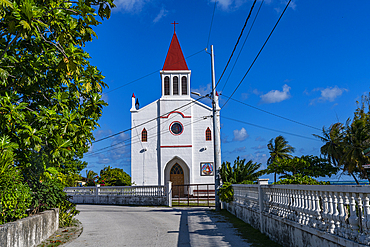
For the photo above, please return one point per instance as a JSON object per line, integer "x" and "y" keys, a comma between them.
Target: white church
{"x": 177, "y": 145}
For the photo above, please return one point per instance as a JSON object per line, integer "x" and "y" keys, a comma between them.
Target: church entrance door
{"x": 177, "y": 178}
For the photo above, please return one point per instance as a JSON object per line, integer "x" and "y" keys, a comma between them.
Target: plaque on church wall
{"x": 206, "y": 169}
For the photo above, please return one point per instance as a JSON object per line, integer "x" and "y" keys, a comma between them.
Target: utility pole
{"x": 216, "y": 133}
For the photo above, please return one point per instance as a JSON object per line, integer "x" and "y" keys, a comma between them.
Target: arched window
{"x": 184, "y": 85}
{"x": 176, "y": 169}
{"x": 208, "y": 135}
{"x": 167, "y": 85}
{"x": 175, "y": 85}
{"x": 144, "y": 135}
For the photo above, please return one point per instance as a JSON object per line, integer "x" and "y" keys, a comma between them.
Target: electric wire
{"x": 237, "y": 42}
{"x": 150, "y": 137}
{"x": 147, "y": 75}
{"x": 110, "y": 136}
{"x": 276, "y": 115}
{"x": 128, "y": 139}
{"x": 241, "y": 49}
{"x": 258, "y": 53}
{"x": 210, "y": 28}
{"x": 262, "y": 127}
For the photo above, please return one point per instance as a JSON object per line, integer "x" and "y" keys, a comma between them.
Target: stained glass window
{"x": 176, "y": 169}
{"x": 144, "y": 135}
{"x": 176, "y": 128}
{"x": 208, "y": 135}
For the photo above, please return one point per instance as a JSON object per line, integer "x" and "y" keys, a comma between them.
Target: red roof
{"x": 175, "y": 59}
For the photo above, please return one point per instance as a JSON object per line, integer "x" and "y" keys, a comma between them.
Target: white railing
{"x": 117, "y": 190}
{"x": 341, "y": 210}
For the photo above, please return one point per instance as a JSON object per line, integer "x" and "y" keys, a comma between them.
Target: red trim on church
{"x": 175, "y": 112}
{"x": 178, "y": 146}
{"x": 175, "y": 59}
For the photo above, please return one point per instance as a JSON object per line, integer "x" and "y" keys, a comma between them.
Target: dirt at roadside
{"x": 63, "y": 235}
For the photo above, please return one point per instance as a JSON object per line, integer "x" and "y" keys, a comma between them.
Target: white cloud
{"x": 203, "y": 90}
{"x": 328, "y": 94}
{"x": 260, "y": 139}
{"x": 129, "y": 5}
{"x": 238, "y": 150}
{"x": 162, "y": 13}
{"x": 240, "y": 135}
{"x": 228, "y": 5}
{"x": 259, "y": 147}
{"x": 275, "y": 96}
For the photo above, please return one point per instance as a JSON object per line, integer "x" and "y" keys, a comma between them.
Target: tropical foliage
{"x": 344, "y": 143}
{"x": 301, "y": 179}
{"x": 50, "y": 99}
{"x": 226, "y": 192}
{"x": 308, "y": 165}
{"x": 279, "y": 149}
{"x": 114, "y": 177}
{"x": 240, "y": 172}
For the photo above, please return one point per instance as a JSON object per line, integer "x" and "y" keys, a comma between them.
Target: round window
{"x": 176, "y": 128}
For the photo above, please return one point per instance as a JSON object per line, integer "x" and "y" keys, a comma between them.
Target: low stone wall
{"x": 29, "y": 231}
{"x": 120, "y": 200}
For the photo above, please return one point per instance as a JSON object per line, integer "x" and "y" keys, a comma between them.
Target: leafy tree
{"x": 278, "y": 148}
{"x": 344, "y": 144}
{"x": 240, "y": 172}
{"x": 50, "y": 95}
{"x": 91, "y": 176}
{"x": 301, "y": 179}
{"x": 226, "y": 192}
{"x": 309, "y": 165}
{"x": 114, "y": 177}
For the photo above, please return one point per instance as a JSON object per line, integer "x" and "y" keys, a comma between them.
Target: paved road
{"x": 153, "y": 226}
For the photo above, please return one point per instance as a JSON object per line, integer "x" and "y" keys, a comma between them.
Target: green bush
{"x": 49, "y": 194}
{"x": 226, "y": 192}
{"x": 300, "y": 179}
{"x": 15, "y": 196}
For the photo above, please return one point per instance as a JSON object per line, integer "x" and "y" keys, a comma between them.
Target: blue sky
{"x": 312, "y": 70}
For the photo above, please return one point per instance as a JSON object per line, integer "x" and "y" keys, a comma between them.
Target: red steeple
{"x": 175, "y": 59}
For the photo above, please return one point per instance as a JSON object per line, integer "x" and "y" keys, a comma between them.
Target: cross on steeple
{"x": 174, "y": 26}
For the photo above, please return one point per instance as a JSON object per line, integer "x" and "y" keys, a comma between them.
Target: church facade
{"x": 171, "y": 138}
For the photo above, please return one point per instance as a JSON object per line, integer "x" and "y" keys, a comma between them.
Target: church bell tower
{"x": 175, "y": 74}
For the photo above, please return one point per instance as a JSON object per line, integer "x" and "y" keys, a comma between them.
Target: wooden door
{"x": 177, "y": 178}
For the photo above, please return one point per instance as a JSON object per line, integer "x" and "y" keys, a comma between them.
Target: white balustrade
{"x": 338, "y": 210}
{"x": 117, "y": 190}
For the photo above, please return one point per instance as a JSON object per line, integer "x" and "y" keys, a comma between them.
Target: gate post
{"x": 263, "y": 181}
{"x": 97, "y": 193}
{"x": 169, "y": 194}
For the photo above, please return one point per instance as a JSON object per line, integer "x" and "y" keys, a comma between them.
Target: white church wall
{"x": 144, "y": 154}
{"x": 202, "y": 149}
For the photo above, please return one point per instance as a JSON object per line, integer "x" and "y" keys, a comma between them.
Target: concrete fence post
{"x": 263, "y": 181}
{"x": 169, "y": 194}
{"x": 97, "y": 190}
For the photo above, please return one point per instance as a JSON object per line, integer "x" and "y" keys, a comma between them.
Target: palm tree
{"x": 279, "y": 148}
{"x": 356, "y": 140}
{"x": 90, "y": 177}
{"x": 333, "y": 138}
{"x": 240, "y": 172}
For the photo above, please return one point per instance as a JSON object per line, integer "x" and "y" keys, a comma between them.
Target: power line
{"x": 258, "y": 126}
{"x": 128, "y": 139}
{"x": 241, "y": 49}
{"x": 237, "y": 42}
{"x": 147, "y": 75}
{"x": 162, "y": 132}
{"x": 110, "y": 136}
{"x": 258, "y": 53}
{"x": 276, "y": 115}
{"x": 210, "y": 28}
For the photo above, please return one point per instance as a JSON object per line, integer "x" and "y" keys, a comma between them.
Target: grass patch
{"x": 246, "y": 231}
